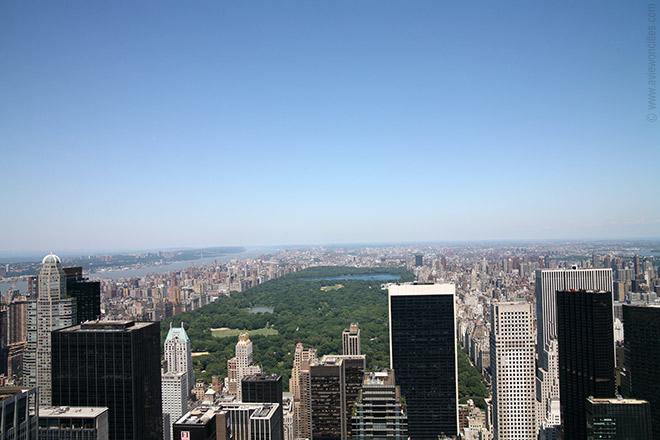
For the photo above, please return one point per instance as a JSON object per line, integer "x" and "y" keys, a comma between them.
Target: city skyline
{"x": 261, "y": 124}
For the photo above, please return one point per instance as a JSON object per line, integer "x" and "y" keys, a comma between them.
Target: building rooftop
{"x": 177, "y": 333}
{"x": 51, "y": 259}
{"x": 421, "y": 289}
{"x": 262, "y": 377}
{"x": 82, "y": 412}
{"x": 6, "y": 392}
{"x": 198, "y": 416}
{"x": 109, "y": 326}
{"x": 617, "y": 401}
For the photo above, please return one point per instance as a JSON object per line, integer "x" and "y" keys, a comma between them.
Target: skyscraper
{"x": 174, "y": 388}
{"x": 178, "y": 354}
{"x": 241, "y": 365}
{"x": 642, "y": 358}
{"x": 265, "y": 388}
{"x": 350, "y": 339}
{"x": 585, "y": 334}
{"x": 335, "y": 383}
{"x": 423, "y": 356}
{"x": 512, "y": 369}
{"x": 113, "y": 364}
{"x": 380, "y": 411}
{"x": 51, "y": 310}
{"x": 299, "y": 385}
{"x": 86, "y": 293}
{"x": 548, "y": 282}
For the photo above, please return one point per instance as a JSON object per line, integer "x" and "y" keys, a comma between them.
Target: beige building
{"x": 512, "y": 368}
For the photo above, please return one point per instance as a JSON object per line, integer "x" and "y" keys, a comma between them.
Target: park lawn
{"x": 234, "y": 332}
{"x": 331, "y": 288}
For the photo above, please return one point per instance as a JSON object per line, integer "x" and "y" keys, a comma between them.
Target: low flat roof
{"x": 407, "y": 289}
{"x": 82, "y": 412}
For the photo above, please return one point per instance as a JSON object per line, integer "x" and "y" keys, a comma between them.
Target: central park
{"x": 309, "y": 307}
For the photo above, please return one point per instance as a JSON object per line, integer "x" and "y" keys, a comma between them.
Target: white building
{"x": 175, "y": 397}
{"x": 51, "y": 310}
{"x": 512, "y": 357}
{"x": 178, "y": 354}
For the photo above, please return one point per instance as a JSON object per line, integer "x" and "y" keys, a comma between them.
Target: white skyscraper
{"x": 512, "y": 360}
{"x": 548, "y": 282}
{"x": 51, "y": 310}
{"x": 178, "y": 354}
{"x": 175, "y": 397}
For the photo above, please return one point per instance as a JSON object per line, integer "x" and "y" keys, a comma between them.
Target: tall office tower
{"x": 380, "y": 411}
{"x": 299, "y": 385}
{"x": 241, "y": 365}
{"x": 618, "y": 419}
{"x": 585, "y": 335}
{"x": 71, "y": 422}
{"x": 18, "y": 320}
{"x": 513, "y": 359}
{"x": 326, "y": 382}
{"x": 87, "y": 294}
{"x": 113, "y": 364}
{"x": 178, "y": 354}
{"x": 642, "y": 356}
{"x": 419, "y": 260}
{"x": 4, "y": 338}
{"x": 350, "y": 339}
{"x": 548, "y": 282}
{"x": 19, "y": 421}
{"x": 264, "y": 388}
{"x": 423, "y": 356}
{"x": 335, "y": 384}
{"x": 51, "y": 310}
{"x": 174, "y": 389}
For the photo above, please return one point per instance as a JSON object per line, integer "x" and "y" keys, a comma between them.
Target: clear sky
{"x": 147, "y": 124}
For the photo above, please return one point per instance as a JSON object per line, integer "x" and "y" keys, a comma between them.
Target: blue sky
{"x": 165, "y": 123}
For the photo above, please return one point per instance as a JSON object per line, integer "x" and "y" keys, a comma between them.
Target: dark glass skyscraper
{"x": 585, "y": 334}
{"x": 423, "y": 356}
{"x": 641, "y": 326}
{"x": 264, "y": 388}
{"x": 87, "y": 294}
{"x": 113, "y": 364}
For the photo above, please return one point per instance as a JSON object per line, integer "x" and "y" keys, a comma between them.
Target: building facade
{"x": 642, "y": 357}
{"x": 51, "y": 310}
{"x": 174, "y": 389}
{"x": 423, "y": 356}
{"x": 585, "y": 335}
{"x": 548, "y": 282}
{"x": 19, "y": 421}
{"x": 114, "y": 364}
{"x": 178, "y": 354}
{"x": 240, "y": 365}
{"x": 73, "y": 423}
{"x": 350, "y": 339}
{"x": 512, "y": 368}
{"x": 380, "y": 410}
{"x": 618, "y": 419}
{"x": 299, "y": 386}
